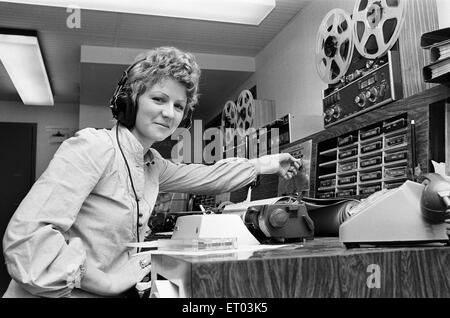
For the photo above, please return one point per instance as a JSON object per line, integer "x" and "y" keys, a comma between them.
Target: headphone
{"x": 124, "y": 109}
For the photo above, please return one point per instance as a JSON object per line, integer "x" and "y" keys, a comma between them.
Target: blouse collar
{"x": 130, "y": 144}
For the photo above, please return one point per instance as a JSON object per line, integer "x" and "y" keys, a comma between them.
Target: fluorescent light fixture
{"x": 22, "y": 59}
{"x": 234, "y": 11}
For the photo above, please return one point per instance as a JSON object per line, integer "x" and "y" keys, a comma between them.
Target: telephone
{"x": 413, "y": 213}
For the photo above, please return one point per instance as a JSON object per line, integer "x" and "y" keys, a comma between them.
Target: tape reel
{"x": 229, "y": 121}
{"x": 245, "y": 109}
{"x": 373, "y": 30}
{"x": 377, "y": 25}
{"x": 334, "y": 46}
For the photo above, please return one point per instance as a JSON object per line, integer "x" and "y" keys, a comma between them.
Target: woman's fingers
{"x": 293, "y": 170}
{"x": 144, "y": 266}
{"x": 288, "y": 175}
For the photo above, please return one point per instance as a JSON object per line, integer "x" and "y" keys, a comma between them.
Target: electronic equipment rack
{"x": 364, "y": 161}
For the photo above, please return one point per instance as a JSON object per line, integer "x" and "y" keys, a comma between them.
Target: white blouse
{"x": 83, "y": 206}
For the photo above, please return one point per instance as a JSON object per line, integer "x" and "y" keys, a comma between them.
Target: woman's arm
{"x": 224, "y": 176}
{"x": 38, "y": 255}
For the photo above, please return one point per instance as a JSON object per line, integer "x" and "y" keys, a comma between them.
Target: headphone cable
{"x": 132, "y": 184}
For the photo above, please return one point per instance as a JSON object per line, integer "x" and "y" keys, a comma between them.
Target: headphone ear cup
{"x": 187, "y": 120}
{"x": 126, "y": 110}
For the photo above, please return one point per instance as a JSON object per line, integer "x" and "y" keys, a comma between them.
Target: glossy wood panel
{"x": 322, "y": 267}
{"x": 420, "y": 17}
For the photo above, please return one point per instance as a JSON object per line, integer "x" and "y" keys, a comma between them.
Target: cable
{"x": 132, "y": 184}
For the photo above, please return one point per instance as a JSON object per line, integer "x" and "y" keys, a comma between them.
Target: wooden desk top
{"x": 318, "y": 247}
{"x": 322, "y": 267}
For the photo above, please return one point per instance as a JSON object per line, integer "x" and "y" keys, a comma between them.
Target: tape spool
{"x": 229, "y": 121}
{"x": 377, "y": 25}
{"x": 334, "y": 46}
{"x": 245, "y": 109}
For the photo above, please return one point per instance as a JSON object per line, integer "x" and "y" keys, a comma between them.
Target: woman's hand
{"x": 283, "y": 164}
{"x": 115, "y": 283}
{"x": 131, "y": 273}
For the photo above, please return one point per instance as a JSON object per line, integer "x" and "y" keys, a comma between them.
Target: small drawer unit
{"x": 361, "y": 162}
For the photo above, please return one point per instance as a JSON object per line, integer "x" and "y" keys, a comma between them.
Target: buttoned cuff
{"x": 74, "y": 275}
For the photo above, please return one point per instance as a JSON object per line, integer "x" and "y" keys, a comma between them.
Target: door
{"x": 17, "y": 174}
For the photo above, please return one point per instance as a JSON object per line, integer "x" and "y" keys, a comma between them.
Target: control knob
{"x": 353, "y": 76}
{"x": 369, "y": 64}
{"x": 382, "y": 90}
{"x": 328, "y": 114}
{"x": 372, "y": 94}
{"x": 360, "y": 100}
{"x": 337, "y": 111}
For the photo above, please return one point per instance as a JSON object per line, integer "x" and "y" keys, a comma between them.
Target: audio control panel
{"x": 374, "y": 85}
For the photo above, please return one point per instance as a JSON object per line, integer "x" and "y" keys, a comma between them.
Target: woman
{"x": 67, "y": 238}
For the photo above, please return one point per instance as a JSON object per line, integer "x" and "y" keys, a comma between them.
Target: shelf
{"x": 326, "y": 176}
{"x": 398, "y": 131}
{"x": 371, "y": 139}
{"x": 394, "y": 179}
{"x": 348, "y": 159}
{"x": 345, "y": 186}
{"x": 396, "y": 147}
{"x": 369, "y": 183}
{"x": 328, "y": 164}
{"x": 348, "y": 146}
{"x": 395, "y": 163}
{"x": 326, "y": 188}
{"x": 328, "y": 152}
{"x": 371, "y": 153}
{"x": 374, "y": 167}
{"x": 343, "y": 173}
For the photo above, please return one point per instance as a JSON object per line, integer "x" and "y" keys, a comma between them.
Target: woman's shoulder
{"x": 91, "y": 140}
{"x": 94, "y": 135}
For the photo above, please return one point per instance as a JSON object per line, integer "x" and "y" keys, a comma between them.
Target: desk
{"x": 323, "y": 267}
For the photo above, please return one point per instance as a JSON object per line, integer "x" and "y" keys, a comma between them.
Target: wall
{"x": 95, "y": 116}
{"x": 443, "y": 9}
{"x": 62, "y": 115}
{"x": 286, "y": 72}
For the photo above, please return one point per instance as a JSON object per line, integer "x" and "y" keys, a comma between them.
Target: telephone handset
{"x": 413, "y": 213}
{"x": 435, "y": 200}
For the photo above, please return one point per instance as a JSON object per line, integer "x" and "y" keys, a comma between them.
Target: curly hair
{"x": 162, "y": 63}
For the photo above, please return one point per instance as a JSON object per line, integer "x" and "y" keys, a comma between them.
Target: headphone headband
{"x": 124, "y": 79}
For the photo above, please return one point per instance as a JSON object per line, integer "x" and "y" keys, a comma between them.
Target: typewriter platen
{"x": 282, "y": 219}
{"x": 274, "y": 220}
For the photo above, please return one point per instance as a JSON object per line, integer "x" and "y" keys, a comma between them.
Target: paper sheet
{"x": 241, "y": 207}
{"x": 164, "y": 289}
{"x": 241, "y": 249}
{"x": 439, "y": 168}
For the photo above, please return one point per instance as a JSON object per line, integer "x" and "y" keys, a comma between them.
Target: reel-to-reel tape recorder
{"x": 358, "y": 57}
